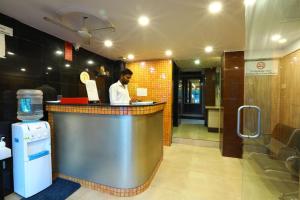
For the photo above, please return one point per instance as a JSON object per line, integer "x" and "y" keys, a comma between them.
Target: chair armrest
{"x": 286, "y": 152}
{"x": 292, "y": 163}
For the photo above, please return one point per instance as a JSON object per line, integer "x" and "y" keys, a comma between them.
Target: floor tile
{"x": 194, "y": 131}
{"x": 199, "y": 173}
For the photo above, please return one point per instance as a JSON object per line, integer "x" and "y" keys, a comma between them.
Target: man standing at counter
{"x": 118, "y": 92}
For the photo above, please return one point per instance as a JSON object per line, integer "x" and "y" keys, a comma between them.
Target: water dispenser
{"x": 31, "y": 145}
{"x": 30, "y": 105}
{"x": 31, "y": 157}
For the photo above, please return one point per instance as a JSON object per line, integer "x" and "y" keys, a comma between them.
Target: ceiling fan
{"x": 83, "y": 32}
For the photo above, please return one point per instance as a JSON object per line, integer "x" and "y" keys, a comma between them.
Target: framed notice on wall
{"x": 261, "y": 67}
{"x": 141, "y": 92}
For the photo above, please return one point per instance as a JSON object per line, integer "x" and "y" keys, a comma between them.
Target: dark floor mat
{"x": 59, "y": 190}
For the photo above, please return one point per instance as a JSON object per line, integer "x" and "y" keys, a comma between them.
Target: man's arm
{"x": 112, "y": 94}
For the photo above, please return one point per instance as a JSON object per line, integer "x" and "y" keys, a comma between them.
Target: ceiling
{"x": 188, "y": 65}
{"x": 185, "y": 27}
{"x": 267, "y": 18}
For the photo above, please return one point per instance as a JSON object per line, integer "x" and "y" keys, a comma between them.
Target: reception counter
{"x": 114, "y": 149}
{"x": 214, "y": 118}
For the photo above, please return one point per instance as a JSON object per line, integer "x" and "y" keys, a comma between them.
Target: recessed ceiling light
{"x": 67, "y": 65}
{"x": 143, "y": 64}
{"x": 209, "y": 49}
{"x": 90, "y": 62}
{"x": 108, "y": 43}
{"x": 249, "y": 2}
{"x": 46, "y": 73}
{"x": 197, "y": 62}
{"x": 49, "y": 68}
{"x": 23, "y": 69}
{"x": 215, "y": 7}
{"x": 143, "y": 20}
{"x": 282, "y": 40}
{"x": 130, "y": 56}
{"x": 168, "y": 53}
{"x": 276, "y": 37}
{"x": 152, "y": 69}
{"x": 58, "y": 52}
{"x": 10, "y": 53}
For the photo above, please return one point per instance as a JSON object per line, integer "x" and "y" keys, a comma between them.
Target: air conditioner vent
{"x": 290, "y": 10}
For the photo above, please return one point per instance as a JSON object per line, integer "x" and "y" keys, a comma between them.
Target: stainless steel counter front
{"x": 119, "y": 151}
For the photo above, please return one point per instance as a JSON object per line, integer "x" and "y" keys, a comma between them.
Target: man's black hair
{"x": 126, "y": 71}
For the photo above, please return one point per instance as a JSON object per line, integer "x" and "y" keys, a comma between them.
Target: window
{"x": 192, "y": 91}
{"x": 195, "y": 91}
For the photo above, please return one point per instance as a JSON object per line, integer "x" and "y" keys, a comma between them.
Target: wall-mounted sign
{"x": 84, "y": 76}
{"x": 68, "y": 51}
{"x": 6, "y": 30}
{"x": 141, "y": 92}
{"x": 2, "y": 45}
{"x": 261, "y": 67}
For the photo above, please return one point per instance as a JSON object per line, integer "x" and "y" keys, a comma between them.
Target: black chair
{"x": 279, "y": 151}
{"x": 282, "y": 160}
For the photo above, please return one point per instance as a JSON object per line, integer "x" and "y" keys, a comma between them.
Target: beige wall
{"x": 278, "y": 96}
{"x": 264, "y": 92}
{"x": 290, "y": 90}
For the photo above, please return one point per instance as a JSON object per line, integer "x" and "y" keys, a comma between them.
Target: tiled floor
{"x": 193, "y": 129}
{"x": 201, "y": 173}
{"x": 201, "y": 143}
{"x": 186, "y": 173}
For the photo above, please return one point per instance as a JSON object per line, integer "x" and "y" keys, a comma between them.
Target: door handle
{"x": 257, "y": 133}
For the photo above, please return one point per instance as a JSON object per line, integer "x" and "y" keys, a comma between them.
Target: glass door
{"x": 270, "y": 147}
{"x": 269, "y": 121}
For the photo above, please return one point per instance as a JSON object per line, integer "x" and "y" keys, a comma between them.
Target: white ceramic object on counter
{"x": 4, "y": 151}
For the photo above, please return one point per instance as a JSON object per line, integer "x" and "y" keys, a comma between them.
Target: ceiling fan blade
{"x": 58, "y": 23}
{"x": 112, "y": 28}
{"x": 109, "y": 26}
{"x": 84, "y": 34}
{"x": 290, "y": 20}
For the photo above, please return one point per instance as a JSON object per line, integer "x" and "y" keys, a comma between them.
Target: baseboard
{"x": 215, "y": 130}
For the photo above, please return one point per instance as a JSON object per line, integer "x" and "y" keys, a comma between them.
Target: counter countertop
{"x": 105, "y": 109}
{"x": 213, "y": 107}
{"x": 107, "y": 104}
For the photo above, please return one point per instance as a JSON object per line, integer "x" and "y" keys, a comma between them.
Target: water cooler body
{"x": 32, "y": 167}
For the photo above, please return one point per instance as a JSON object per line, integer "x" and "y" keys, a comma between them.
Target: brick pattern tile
{"x": 121, "y": 192}
{"x": 156, "y": 76}
{"x": 106, "y": 110}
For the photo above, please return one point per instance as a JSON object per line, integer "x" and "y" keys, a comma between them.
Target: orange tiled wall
{"x": 156, "y": 76}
